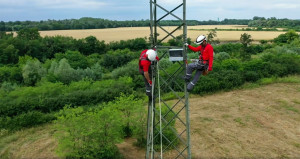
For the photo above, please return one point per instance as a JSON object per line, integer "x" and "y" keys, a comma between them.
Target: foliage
{"x": 273, "y": 22}
{"x": 74, "y": 58}
{"x": 29, "y": 34}
{"x": 288, "y": 37}
{"x": 90, "y": 45}
{"x": 8, "y": 54}
{"x": 118, "y": 58}
{"x": 25, "y": 120}
{"x": 32, "y": 72}
{"x": 50, "y": 97}
{"x": 63, "y": 72}
{"x": 221, "y": 56}
{"x": 89, "y": 134}
{"x": 245, "y": 39}
{"x": 134, "y": 44}
{"x": 10, "y": 74}
{"x": 231, "y": 48}
{"x": 210, "y": 37}
{"x": 133, "y": 115}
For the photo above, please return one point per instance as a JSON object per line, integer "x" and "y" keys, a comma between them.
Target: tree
{"x": 33, "y": 72}
{"x": 288, "y": 37}
{"x": 246, "y": 40}
{"x": 2, "y": 26}
{"x": 210, "y": 37}
{"x": 8, "y": 54}
{"x": 64, "y": 72}
{"x": 29, "y": 34}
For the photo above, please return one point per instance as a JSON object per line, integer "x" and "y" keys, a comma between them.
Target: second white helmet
{"x": 151, "y": 54}
{"x": 200, "y": 39}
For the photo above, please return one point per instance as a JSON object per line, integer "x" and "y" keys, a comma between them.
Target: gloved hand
{"x": 186, "y": 44}
{"x": 150, "y": 83}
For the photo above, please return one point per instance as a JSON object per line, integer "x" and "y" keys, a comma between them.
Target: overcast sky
{"x": 35, "y": 10}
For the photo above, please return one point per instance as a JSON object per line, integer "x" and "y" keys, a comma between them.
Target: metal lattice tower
{"x": 168, "y": 131}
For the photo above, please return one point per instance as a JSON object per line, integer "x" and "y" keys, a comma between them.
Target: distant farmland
{"x": 116, "y": 34}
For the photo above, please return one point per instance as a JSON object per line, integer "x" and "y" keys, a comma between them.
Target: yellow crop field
{"x": 117, "y": 34}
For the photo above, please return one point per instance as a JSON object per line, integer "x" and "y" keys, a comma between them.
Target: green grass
{"x": 297, "y": 145}
{"x": 239, "y": 121}
{"x": 286, "y": 106}
{"x": 271, "y": 80}
{"x": 206, "y": 119}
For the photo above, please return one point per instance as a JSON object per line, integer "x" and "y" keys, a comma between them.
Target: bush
{"x": 91, "y": 134}
{"x": 25, "y": 120}
{"x": 215, "y": 81}
{"x": 54, "y": 96}
{"x": 231, "y": 64}
{"x": 251, "y": 76}
{"x": 221, "y": 56}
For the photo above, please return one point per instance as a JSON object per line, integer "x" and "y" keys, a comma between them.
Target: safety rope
{"x": 160, "y": 125}
{"x": 152, "y": 113}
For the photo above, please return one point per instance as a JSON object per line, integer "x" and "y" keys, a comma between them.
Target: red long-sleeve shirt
{"x": 207, "y": 53}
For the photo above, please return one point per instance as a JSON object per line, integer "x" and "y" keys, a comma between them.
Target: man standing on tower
{"x": 205, "y": 63}
{"x": 147, "y": 56}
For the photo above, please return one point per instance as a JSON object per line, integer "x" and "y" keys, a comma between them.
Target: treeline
{"x": 98, "y": 23}
{"x": 83, "y": 23}
{"x": 274, "y": 23}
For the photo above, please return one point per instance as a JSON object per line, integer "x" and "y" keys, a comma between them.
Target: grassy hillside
{"x": 260, "y": 120}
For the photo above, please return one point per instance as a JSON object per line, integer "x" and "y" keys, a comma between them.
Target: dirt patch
{"x": 258, "y": 123}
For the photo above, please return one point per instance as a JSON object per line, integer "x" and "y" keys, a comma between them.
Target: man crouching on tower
{"x": 147, "y": 56}
{"x": 204, "y": 64}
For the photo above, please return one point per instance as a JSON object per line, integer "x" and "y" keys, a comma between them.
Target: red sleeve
{"x": 211, "y": 58}
{"x": 157, "y": 58}
{"x": 194, "y": 48}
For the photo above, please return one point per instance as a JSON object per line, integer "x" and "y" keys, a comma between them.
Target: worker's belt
{"x": 203, "y": 61}
{"x": 202, "y": 65}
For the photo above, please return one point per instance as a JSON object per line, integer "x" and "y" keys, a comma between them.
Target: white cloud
{"x": 55, "y": 4}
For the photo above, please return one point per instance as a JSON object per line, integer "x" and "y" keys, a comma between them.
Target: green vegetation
{"x": 79, "y": 83}
{"x": 272, "y": 22}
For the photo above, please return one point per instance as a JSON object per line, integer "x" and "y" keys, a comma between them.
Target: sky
{"x": 36, "y": 10}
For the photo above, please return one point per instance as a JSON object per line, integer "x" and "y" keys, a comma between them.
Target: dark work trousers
{"x": 199, "y": 67}
{"x": 147, "y": 85}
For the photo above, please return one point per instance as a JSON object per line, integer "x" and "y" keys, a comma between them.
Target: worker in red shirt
{"x": 147, "y": 56}
{"x": 205, "y": 63}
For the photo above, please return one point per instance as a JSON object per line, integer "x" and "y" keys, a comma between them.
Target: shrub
{"x": 91, "y": 134}
{"x": 251, "y": 76}
{"x": 25, "y": 120}
{"x": 231, "y": 64}
{"x": 221, "y": 56}
{"x": 54, "y": 96}
{"x": 221, "y": 80}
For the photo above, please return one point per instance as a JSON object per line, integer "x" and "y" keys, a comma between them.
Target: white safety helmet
{"x": 151, "y": 54}
{"x": 200, "y": 39}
